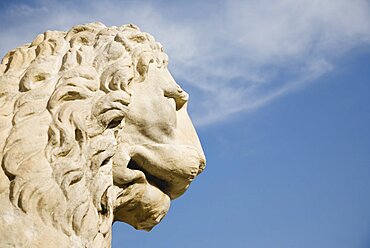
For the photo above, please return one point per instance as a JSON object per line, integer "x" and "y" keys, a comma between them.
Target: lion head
{"x": 93, "y": 129}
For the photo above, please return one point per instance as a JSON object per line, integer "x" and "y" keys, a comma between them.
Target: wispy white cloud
{"x": 236, "y": 55}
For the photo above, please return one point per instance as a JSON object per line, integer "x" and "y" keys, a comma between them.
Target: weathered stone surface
{"x": 93, "y": 129}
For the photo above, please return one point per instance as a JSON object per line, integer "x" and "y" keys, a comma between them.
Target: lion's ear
{"x": 110, "y": 109}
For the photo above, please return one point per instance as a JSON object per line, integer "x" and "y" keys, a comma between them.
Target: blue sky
{"x": 280, "y": 96}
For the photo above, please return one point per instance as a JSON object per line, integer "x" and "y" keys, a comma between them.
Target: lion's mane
{"x": 53, "y": 111}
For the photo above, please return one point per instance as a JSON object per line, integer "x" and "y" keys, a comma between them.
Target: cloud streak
{"x": 234, "y": 56}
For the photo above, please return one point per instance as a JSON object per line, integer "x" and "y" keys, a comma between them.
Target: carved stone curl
{"x": 93, "y": 129}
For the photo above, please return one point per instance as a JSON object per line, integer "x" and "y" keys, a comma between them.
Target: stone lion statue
{"x": 93, "y": 129}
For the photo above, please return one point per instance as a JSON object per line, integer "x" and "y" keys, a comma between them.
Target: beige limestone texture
{"x": 93, "y": 129}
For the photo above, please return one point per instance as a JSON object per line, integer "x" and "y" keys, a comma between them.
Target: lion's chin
{"x": 141, "y": 205}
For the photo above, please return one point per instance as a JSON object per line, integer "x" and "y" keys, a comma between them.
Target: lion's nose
{"x": 186, "y": 135}
{"x": 185, "y": 132}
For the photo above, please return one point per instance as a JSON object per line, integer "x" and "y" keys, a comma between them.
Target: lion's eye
{"x": 115, "y": 122}
{"x": 179, "y": 97}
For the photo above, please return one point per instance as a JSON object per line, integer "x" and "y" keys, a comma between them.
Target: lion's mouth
{"x": 170, "y": 168}
{"x": 157, "y": 182}
{"x": 158, "y": 173}
{"x": 142, "y": 202}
